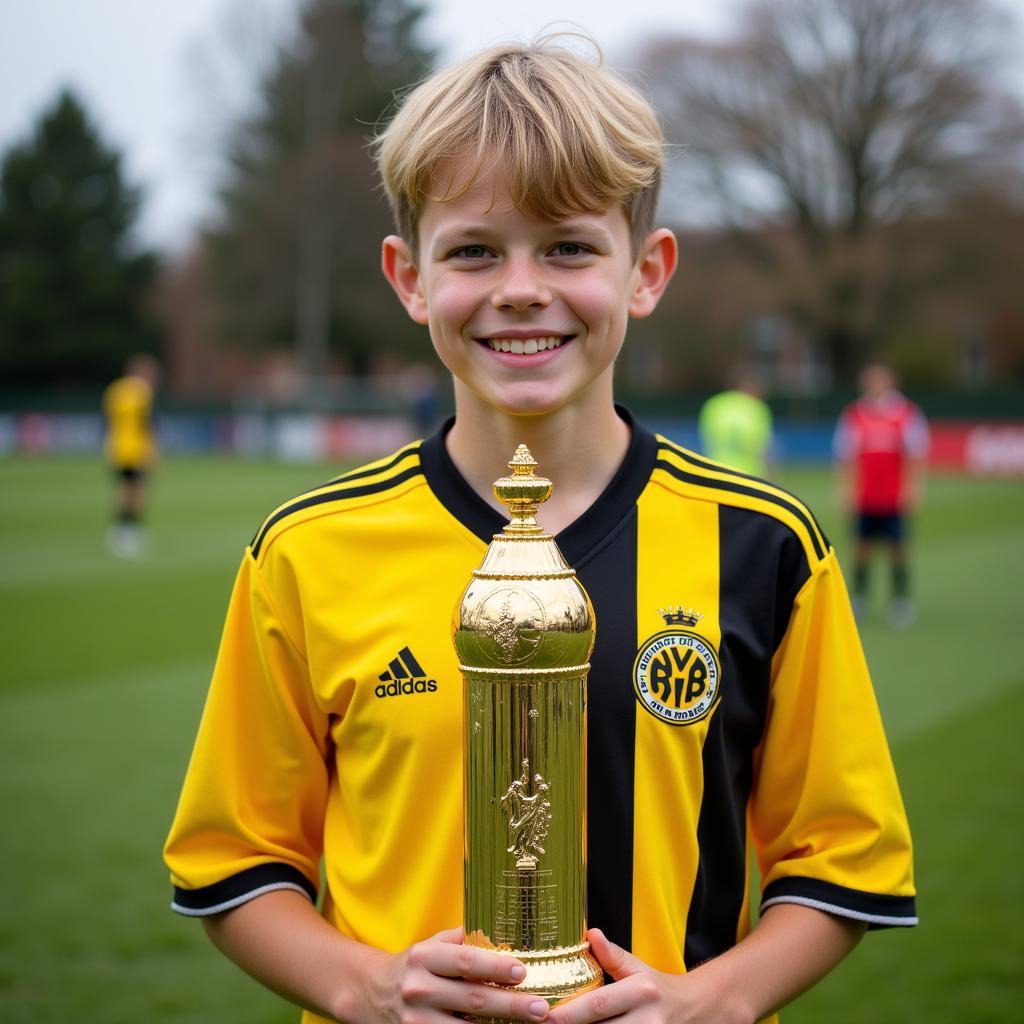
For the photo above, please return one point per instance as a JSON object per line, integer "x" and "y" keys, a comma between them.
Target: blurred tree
{"x": 72, "y": 282}
{"x": 295, "y": 252}
{"x": 822, "y": 124}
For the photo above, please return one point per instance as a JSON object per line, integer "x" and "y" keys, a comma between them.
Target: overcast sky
{"x": 144, "y": 71}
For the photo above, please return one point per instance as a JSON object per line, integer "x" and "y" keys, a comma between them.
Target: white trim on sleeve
{"x": 832, "y": 908}
{"x": 236, "y": 901}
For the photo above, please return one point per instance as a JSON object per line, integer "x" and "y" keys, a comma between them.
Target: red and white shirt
{"x": 879, "y": 435}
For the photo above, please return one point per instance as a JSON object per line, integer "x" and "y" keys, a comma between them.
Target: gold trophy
{"x": 524, "y": 631}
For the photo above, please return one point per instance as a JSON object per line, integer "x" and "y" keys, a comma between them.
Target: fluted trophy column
{"x": 524, "y": 631}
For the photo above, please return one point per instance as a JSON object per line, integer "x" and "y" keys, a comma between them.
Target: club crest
{"x": 677, "y": 675}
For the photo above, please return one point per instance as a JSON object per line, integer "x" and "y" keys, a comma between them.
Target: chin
{"x": 528, "y": 400}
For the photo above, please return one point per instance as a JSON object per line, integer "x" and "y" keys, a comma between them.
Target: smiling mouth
{"x": 526, "y": 346}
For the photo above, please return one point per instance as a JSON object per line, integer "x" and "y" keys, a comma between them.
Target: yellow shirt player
{"x": 524, "y": 182}
{"x": 130, "y": 449}
{"x": 736, "y": 427}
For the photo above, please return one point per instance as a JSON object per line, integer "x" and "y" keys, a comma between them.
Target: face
{"x": 877, "y": 380}
{"x": 527, "y": 315}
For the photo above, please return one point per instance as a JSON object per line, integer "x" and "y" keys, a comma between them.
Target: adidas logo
{"x": 404, "y": 675}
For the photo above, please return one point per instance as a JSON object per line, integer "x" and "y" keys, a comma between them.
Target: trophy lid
{"x": 524, "y": 608}
{"x": 523, "y": 493}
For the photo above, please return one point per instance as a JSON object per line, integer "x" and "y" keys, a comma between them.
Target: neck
{"x": 578, "y": 449}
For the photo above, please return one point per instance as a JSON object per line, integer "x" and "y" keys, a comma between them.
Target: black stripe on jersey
{"x": 611, "y": 732}
{"x": 238, "y": 889}
{"x": 324, "y": 496}
{"x": 877, "y": 909}
{"x": 358, "y": 474}
{"x": 762, "y": 567}
{"x": 718, "y": 467}
{"x": 818, "y": 541}
{"x": 696, "y": 460}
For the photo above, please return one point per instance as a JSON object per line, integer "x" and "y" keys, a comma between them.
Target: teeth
{"x": 524, "y": 347}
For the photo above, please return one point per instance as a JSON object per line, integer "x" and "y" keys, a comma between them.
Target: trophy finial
{"x": 523, "y": 492}
{"x": 523, "y": 463}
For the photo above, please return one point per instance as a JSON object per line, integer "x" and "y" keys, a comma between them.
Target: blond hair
{"x": 570, "y": 136}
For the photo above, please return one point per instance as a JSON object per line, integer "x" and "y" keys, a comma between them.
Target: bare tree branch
{"x": 838, "y": 118}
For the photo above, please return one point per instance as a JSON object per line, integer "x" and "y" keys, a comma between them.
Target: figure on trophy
{"x": 529, "y": 817}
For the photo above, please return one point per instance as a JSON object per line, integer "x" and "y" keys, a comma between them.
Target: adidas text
{"x": 398, "y": 687}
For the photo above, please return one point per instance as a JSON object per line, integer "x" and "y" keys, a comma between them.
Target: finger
{"x": 614, "y": 959}
{"x": 601, "y": 1004}
{"x": 488, "y": 1001}
{"x": 452, "y": 960}
{"x": 454, "y": 935}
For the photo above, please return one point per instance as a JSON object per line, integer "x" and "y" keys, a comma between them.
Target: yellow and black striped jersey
{"x": 729, "y": 711}
{"x": 127, "y": 406}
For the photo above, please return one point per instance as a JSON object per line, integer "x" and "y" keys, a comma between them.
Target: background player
{"x": 736, "y": 425}
{"x": 130, "y": 450}
{"x": 524, "y": 182}
{"x": 880, "y": 443}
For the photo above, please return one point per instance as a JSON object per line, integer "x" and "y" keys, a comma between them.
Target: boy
{"x": 880, "y": 444}
{"x": 524, "y": 182}
{"x": 130, "y": 449}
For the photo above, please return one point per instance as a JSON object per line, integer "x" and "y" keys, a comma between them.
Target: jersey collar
{"x": 580, "y": 538}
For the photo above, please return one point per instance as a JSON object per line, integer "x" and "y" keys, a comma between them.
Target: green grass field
{"x": 104, "y": 668}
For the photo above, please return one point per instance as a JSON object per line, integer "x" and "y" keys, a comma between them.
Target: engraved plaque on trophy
{"x": 524, "y": 631}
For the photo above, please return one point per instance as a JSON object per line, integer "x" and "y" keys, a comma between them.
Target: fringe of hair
{"x": 570, "y": 136}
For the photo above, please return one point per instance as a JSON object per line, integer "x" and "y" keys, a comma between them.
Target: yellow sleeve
{"x": 827, "y": 818}
{"x": 250, "y": 816}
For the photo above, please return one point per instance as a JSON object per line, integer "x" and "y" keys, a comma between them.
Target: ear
{"x": 655, "y": 267}
{"x": 399, "y": 267}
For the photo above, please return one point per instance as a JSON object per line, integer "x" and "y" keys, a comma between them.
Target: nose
{"x": 520, "y": 286}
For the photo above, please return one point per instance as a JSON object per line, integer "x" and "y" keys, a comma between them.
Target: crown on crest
{"x": 678, "y": 616}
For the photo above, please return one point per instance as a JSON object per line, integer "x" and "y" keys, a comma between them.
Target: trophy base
{"x": 556, "y": 975}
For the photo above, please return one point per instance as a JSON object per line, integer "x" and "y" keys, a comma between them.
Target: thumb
{"x": 454, "y": 935}
{"x": 618, "y": 962}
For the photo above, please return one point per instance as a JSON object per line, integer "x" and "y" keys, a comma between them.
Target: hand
{"x": 642, "y": 995}
{"x": 432, "y": 980}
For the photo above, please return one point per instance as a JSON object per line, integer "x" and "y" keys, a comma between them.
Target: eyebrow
{"x": 461, "y": 234}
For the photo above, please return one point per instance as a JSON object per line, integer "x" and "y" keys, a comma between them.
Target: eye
{"x": 570, "y": 249}
{"x": 471, "y": 252}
